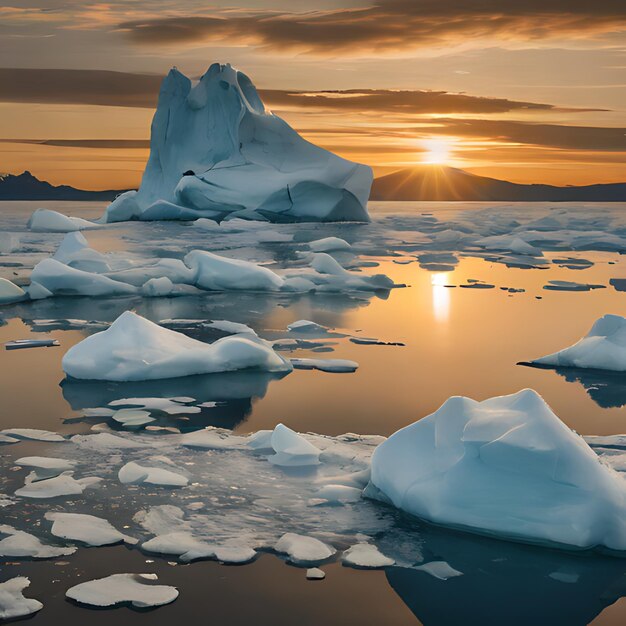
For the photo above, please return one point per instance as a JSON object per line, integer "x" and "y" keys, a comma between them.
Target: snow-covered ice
{"x": 365, "y": 555}
{"x": 135, "y": 474}
{"x": 604, "y": 348}
{"x": 330, "y": 244}
{"x": 45, "y": 467}
{"x": 133, "y": 348}
{"x": 63, "y": 485}
{"x": 13, "y": 604}
{"x": 506, "y": 466}
{"x": 88, "y": 529}
{"x": 189, "y": 548}
{"x": 47, "y": 220}
{"x": 20, "y": 544}
{"x": 303, "y": 550}
{"x": 215, "y": 152}
{"x": 134, "y": 589}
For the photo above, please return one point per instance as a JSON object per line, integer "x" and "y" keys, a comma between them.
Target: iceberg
{"x": 134, "y": 589}
{"x": 134, "y": 349}
{"x": 603, "y": 348}
{"x": 215, "y": 151}
{"x": 13, "y": 604}
{"x": 507, "y": 466}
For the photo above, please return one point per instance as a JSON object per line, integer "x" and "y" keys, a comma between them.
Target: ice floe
{"x": 506, "y": 466}
{"x": 189, "y": 548}
{"x": 88, "y": 529}
{"x": 133, "y": 348}
{"x": 315, "y": 573}
{"x": 330, "y": 244}
{"x": 134, "y": 589}
{"x": 604, "y": 348}
{"x": 303, "y": 550}
{"x": 19, "y": 544}
{"x": 13, "y": 604}
{"x": 63, "y": 485}
{"x": 45, "y": 467}
{"x": 365, "y": 555}
{"x": 33, "y": 434}
{"x": 337, "y": 366}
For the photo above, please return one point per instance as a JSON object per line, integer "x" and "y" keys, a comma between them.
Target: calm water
{"x": 459, "y": 341}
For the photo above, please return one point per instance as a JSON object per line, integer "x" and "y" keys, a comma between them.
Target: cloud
{"x": 397, "y": 27}
{"x": 107, "y": 88}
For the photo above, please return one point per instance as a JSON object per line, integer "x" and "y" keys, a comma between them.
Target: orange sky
{"x": 529, "y": 92}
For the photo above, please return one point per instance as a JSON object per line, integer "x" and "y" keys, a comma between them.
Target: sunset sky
{"x": 529, "y": 91}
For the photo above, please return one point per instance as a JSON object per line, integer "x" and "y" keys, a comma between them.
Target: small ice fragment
{"x": 303, "y": 550}
{"x": 337, "y": 366}
{"x": 330, "y": 244}
{"x": 20, "y": 344}
{"x": 440, "y": 570}
{"x": 292, "y": 449}
{"x": 315, "y": 573}
{"x": 366, "y": 555}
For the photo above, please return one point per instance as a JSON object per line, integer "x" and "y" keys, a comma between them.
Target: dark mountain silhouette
{"x": 438, "y": 182}
{"x": 25, "y": 186}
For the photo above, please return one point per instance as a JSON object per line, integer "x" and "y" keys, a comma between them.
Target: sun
{"x": 436, "y": 151}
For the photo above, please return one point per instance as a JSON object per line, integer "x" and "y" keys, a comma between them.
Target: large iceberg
{"x": 604, "y": 347}
{"x": 506, "y": 466}
{"x": 134, "y": 348}
{"x": 215, "y": 151}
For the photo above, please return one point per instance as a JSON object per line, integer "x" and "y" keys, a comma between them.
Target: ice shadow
{"x": 607, "y": 389}
{"x": 507, "y": 583}
{"x": 232, "y": 392}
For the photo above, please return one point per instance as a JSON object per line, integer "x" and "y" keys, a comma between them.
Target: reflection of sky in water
{"x": 441, "y": 296}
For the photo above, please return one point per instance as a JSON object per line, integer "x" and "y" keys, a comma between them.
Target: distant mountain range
{"x": 438, "y": 182}
{"x": 425, "y": 182}
{"x": 25, "y": 186}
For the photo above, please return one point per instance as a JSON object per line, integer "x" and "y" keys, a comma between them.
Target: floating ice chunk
{"x": 121, "y": 589}
{"x": 61, "y": 279}
{"x": 157, "y": 287}
{"x": 506, "y": 466}
{"x": 13, "y": 604}
{"x": 303, "y": 550}
{"x": 306, "y": 326}
{"x": 367, "y": 341}
{"x": 338, "y": 278}
{"x": 292, "y": 449}
{"x": 189, "y": 548}
{"x": 45, "y": 466}
{"x": 569, "y": 285}
{"x": 48, "y": 221}
{"x": 246, "y": 161}
{"x": 132, "y": 418}
{"x": 63, "y": 485}
{"x": 75, "y": 252}
{"x": 439, "y": 569}
{"x": 34, "y": 434}
{"x": 218, "y": 273}
{"x": 604, "y": 347}
{"x": 338, "y": 366}
{"x": 88, "y": 529}
{"x": 366, "y": 555}
{"x": 339, "y": 494}
{"x": 133, "y": 348}
{"x": 37, "y": 291}
{"x": 10, "y": 292}
{"x": 330, "y": 244}
{"x": 18, "y": 544}
{"x": 233, "y": 328}
{"x": 135, "y": 474}
{"x": 510, "y": 243}
{"x": 315, "y": 573}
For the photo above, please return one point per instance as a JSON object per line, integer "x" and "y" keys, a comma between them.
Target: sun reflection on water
{"x": 441, "y": 296}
